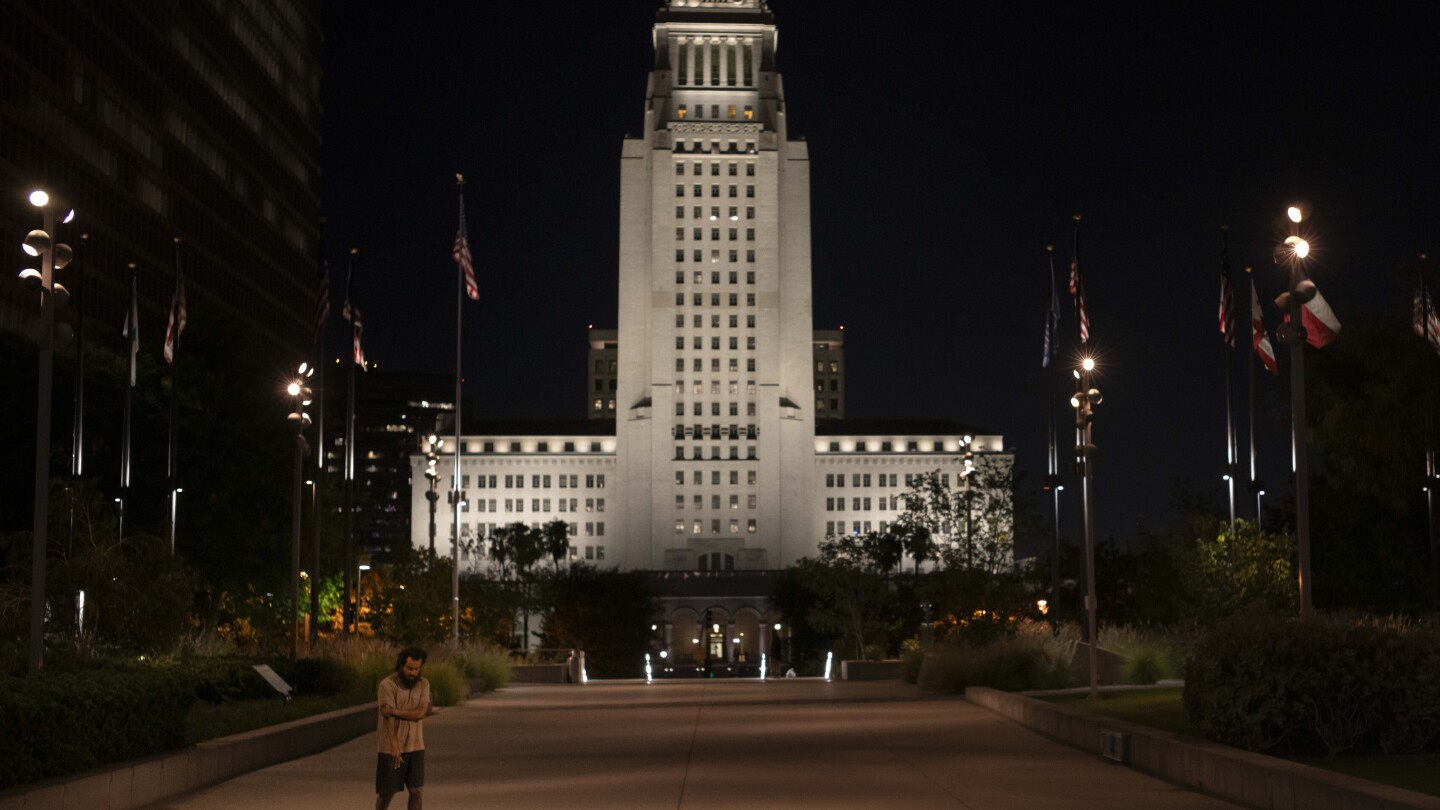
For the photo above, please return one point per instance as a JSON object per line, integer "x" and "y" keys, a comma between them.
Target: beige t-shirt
{"x": 411, "y": 733}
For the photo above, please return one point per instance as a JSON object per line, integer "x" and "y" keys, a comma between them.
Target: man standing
{"x": 404, "y": 699}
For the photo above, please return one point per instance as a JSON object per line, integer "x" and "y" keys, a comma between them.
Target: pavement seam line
{"x": 690, "y": 755}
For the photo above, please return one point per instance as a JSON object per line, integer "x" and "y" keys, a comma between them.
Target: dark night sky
{"x": 949, "y": 143}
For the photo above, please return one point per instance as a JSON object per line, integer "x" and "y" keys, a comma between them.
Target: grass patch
{"x": 1156, "y": 708}
{"x": 1417, "y": 772}
{"x": 207, "y": 721}
{"x": 1162, "y": 709}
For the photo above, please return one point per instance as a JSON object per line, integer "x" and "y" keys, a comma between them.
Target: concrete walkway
{"x": 717, "y": 744}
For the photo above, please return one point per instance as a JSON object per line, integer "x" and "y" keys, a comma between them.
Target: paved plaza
{"x": 716, "y": 744}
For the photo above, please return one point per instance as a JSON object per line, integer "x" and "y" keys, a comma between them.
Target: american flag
{"x": 461, "y": 254}
{"x": 322, "y": 300}
{"x": 1227, "y": 305}
{"x": 1425, "y": 319}
{"x": 1077, "y": 289}
{"x": 351, "y": 312}
{"x": 1259, "y": 338}
{"x": 176, "y": 324}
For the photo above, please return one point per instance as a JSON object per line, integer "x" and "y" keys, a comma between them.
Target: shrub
{"x": 1326, "y": 686}
{"x": 448, "y": 685}
{"x": 1029, "y": 659}
{"x": 1151, "y": 655}
{"x": 59, "y": 724}
{"x": 487, "y": 664}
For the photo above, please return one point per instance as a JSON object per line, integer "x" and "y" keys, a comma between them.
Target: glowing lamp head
{"x": 293, "y": 389}
{"x": 1088, "y": 364}
{"x": 39, "y": 199}
{"x": 70, "y": 217}
{"x": 1294, "y": 213}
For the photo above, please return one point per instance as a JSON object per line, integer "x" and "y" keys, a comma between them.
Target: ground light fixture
{"x": 829, "y": 660}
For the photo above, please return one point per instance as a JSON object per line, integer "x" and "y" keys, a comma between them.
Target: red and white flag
{"x": 1077, "y": 289}
{"x": 461, "y": 255}
{"x": 351, "y": 312}
{"x": 1259, "y": 338}
{"x": 176, "y": 324}
{"x": 1321, "y": 325}
{"x": 1227, "y": 306}
{"x": 1425, "y": 319}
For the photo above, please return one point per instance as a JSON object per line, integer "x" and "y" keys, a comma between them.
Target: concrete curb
{"x": 143, "y": 782}
{"x": 1253, "y": 780}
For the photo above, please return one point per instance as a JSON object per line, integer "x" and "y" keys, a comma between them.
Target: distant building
{"x": 197, "y": 120}
{"x": 722, "y": 462}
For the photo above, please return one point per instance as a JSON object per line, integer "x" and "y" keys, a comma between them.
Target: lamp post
{"x": 1084, "y": 402}
{"x": 969, "y": 473}
{"x": 52, "y": 256}
{"x": 299, "y": 421}
{"x": 359, "y": 574}
{"x": 1299, "y": 290}
{"x": 433, "y": 444}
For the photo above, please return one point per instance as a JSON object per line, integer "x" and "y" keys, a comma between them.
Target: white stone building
{"x": 715, "y": 459}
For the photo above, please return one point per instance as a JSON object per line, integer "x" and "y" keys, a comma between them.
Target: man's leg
{"x": 382, "y": 800}
{"x": 417, "y": 798}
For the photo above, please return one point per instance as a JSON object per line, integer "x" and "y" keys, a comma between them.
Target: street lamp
{"x": 359, "y": 574}
{"x": 53, "y": 256}
{"x": 1299, "y": 291}
{"x": 433, "y": 444}
{"x": 299, "y": 421}
{"x": 1084, "y": 402}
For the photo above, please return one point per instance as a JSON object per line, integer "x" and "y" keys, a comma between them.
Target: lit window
{"x": 730, "y": 111}
{"x": 749, "y": 112}
{"x": 681, "y": 112}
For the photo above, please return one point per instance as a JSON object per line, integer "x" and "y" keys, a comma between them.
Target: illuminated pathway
{"x": 717, "y": 744}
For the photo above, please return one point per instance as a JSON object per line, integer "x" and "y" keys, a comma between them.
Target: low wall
{"x": 143, "y": 782}
{"x": 540, "y": 673}
{"x": 872, "y": 670}
{"x": 1254, "y": 780}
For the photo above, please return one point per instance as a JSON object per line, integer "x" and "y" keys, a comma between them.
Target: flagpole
{"x": 1255, "y": 485}
{"x": 1085, "y": 450}
{"x": 322, "y": 318}
{"x": 350, "y": 619}
{"x": 1227, "y": 344}
{"x": 77, "y": 439}
{"x": 1432, "y": 476}
{"x": 455, "y": 484}
{"x": 1053, "y": 479}
{"x": 174, "y": 457}
{"x": 129, "y": 389}
{"x": 1300, "y": 451}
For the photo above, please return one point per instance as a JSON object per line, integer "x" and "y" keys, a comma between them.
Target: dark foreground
{"x": 717, "y": 744}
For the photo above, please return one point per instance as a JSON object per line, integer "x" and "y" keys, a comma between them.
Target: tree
{"x": 851, "y": 598}
{"x": 1224, "y": 573}
{"x": 557, "y": 541}
{"x": 605, "y": 613}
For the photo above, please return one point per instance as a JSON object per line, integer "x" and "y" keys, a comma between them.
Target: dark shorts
{"x": 410, "y": 774}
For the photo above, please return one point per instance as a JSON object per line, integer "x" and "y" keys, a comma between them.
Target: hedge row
{"x": 67, "y": 723}
{"x": 1326, "y": 686}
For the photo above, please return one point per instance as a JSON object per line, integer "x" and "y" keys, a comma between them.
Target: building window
{"x": 681, "y": 112}
{"x": 749, "y": 115}
{"x": 679, "y": 190}
{"x": 750, "y": 212}
{"x": 751, "y": 527}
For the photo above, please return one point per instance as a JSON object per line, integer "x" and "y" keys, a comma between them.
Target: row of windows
{"x": 698, "y": 342}
{"x": 697, "y": 166}
{"x": 699, "y": 212}
{"x": 698, "y": 454}
{"x": 698, "y": 321}
{"x": 713, "y": 146}
{"x": 698, "y": 300}
{"x": 541, "y": 447}
{"x": 697, "y": 526}
{"x": 698, "y": 387}
{"x": 819, "y": 385}
{"x": 863, "y": 479}
{"x": 698, "y": 365}
{"x": 730, "y": 112}
{"x": 600, "y": 366}
{"x": 698, "y": 234}
{"x": 573, "y": 529}
{"x": 733, "y": 433}
{"x": 536, "y": 505}
{"x": 607, "y": 405}
{"x": 886, "y": 503}
{"x": 698, "y": 255}
{"x": 834, "y": 527}
{"x": 536, "y": 481}
{"x": 714, "y": 279}
{"x": 698, "y": 477}
{"x": 698, "y": 409}
{"x": 699, "y": 501}
{"x": 698, "y": 190}
{"x": 819, "y": 366}
{"x": 889, "y": 447}
{"x": 820, "y": 404}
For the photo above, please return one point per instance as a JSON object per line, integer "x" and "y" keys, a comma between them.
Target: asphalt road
{"x": 716, "y": 744}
